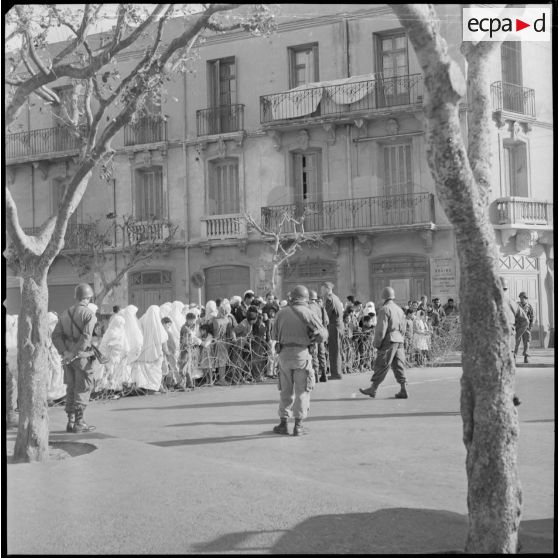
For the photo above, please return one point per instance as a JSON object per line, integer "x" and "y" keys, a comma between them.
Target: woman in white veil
{"x": 177, "y": 314}
{"x": 147, "y": 372}
{"x": 134, "y": 338}
{"x": 115, "y": 346}
{"x": 56, "y": 387}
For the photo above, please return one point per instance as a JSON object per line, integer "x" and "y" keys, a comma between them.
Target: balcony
{"x": 507, "y": 97}
{"x": 147, "y": 129}
{"x": 220, "y": 120}
{"x": 45, "y": 143}
{"x": 221, "y": 227}
{"x": 148, "y": 231}
{"x": 516, "y": 211}
{"x": 357, "y": 214}
{"x": 350, "y": 98}
{"x": 78, "y": 235}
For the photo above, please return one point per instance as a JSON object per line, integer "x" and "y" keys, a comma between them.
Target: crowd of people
{"x": 177, "y": 346}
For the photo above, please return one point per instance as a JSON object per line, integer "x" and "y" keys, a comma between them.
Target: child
{"x": 170, "y": 366}
{"x": 207, "y": 362}
{"x": 364, "y": 345}
{"x": 409, "y": 329}
{"x": 420, "y": 338}
{"x": 188, "y": 360}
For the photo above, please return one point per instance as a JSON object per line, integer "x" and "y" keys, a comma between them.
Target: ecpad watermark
{"x": 507, "y": 24}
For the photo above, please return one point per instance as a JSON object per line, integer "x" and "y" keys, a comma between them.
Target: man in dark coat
{"x": 334, "y": 309}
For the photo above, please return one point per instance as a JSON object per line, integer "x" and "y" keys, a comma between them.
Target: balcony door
{"x": 393, "y": 65}
{"x": 222, "y": 95}
{"x": 149, "y": 198}
{"x": 512, "y": 78}
{"x": 398, "y": 184}
{"x": 515, "y": 169}
{"x": 308, "y": 189}
{"x": 224, "y": 192}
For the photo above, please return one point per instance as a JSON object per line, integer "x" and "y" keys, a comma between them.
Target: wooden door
{"x": 393, "y": 65}
{"x": 398, "y": 185}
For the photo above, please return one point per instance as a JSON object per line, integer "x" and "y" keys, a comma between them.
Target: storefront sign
{"x": 442, "y": 279}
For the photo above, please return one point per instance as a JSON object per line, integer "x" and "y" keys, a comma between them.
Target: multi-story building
{"x": 326, "y": 117}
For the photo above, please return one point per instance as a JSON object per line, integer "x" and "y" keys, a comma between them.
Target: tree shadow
{"x": 386, "y": 531}
{"x": 312, "y": 419}
{"x": 215, "y": 439}
{"x": 236, "y": 403}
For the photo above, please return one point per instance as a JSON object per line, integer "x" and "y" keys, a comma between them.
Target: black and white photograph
{"x": 228, "y": 226}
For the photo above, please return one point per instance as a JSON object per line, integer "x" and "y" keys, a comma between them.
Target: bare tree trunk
{"x": 490, "y": 422}
{"x": 32, "y": 361}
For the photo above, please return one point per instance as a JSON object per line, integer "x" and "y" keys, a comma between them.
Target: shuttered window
{"x": 303, "y": 62}
{"x": 223, "y": 187}
{"x": 397, "y": 169}
{"x": 307, "y": 176}
{"x": 149, "y": 194}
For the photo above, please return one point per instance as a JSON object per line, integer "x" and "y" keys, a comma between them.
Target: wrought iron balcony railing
{"x": 355, "y": 214}
{"x": 519, "y": 211}
{"x": 46, "y": 141}
{"x": 220, "y": 120}
{"x": 148, "y": 231}
{"x": 223, "y": 226}
{"x": 147, "y": 129}
{"x": 513, "y": 98}
{"x": 351, "y": 96}
{"x": 77, "y": 235}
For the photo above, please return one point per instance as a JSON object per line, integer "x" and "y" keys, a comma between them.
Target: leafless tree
{"x": 461, "y": 170}
{"x": 102, "y": 102}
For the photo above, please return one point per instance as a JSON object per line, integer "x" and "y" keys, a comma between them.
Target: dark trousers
{"x": 393, "y": 357}
{"x": 78, "y": 378}
{"x": 334, "y": 344}
{"x": 319, "y": 359}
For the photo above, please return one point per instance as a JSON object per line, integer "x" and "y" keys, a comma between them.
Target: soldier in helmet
{"x": 318, "y": 350}
{"x": 525, "y": 334}
{"x": 389, "y": 338}
{"x": 295, "y": 329}
{"x": 72, "y": 338}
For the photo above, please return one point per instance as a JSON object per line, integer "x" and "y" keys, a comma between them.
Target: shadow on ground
{"x": 387, "y": 531}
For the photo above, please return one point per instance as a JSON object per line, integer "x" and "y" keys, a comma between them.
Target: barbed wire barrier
{"x": 252, "y": 360}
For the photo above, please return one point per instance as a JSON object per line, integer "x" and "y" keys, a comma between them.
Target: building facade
{"x": 323, "y": 118}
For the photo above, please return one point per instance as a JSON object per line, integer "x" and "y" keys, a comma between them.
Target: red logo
{"x": 519, "y": 25}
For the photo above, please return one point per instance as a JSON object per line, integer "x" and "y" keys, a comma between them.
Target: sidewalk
{"x": 201, "y": 472}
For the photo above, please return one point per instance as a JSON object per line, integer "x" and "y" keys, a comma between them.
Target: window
{"x": 149, "y": 194}
{"x": 393, "y": 64}
{"x": 223, "y": 187}
{"x": 512, "y": 81}
{"x": 307, "y": 176}
{"x": 303, "y": 65}
{"x": 398, "y": 173}
{"x": 222, "y": 82}
{"x": 515, "y": 169}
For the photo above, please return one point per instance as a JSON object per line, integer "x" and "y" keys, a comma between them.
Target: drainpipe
{"x": 114, "y": 212}
{"x": 186, "y": 194}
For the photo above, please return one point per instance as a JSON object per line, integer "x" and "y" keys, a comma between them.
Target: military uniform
{"x": 296, "y": 375}
{"x": 318, "y": 350}
{"x": 389, "y": 338}
{"x": 524, "y": 334}
{"x": 78, "y": 370}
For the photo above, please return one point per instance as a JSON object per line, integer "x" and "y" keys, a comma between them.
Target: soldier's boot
{"x": 371, "y": 391}
{"x": 402, "y": 392}
{"x": 81, "y": 425}
{"x": 526, "y": 353}
{"x": 298, "y": 429}
{"x": 71, "y": 422}
{"x": 282, "y": 427}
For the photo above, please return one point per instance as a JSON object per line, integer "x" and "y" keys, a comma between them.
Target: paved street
{"x": 201, "y": 472}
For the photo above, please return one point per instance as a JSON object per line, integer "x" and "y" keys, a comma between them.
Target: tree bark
{"x": 490, "y": 422}
{"x": 32, "y": 361}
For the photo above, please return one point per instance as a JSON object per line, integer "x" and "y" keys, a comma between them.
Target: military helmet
{"x": 300, "y": 292}
{"x": 313, "y": 295}
{"x": 83, "y": 290}
{"x": 388, "y": 293}
{"x": 523, "y": 294}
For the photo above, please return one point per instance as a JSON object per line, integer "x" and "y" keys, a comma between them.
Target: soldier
{"x": 295, "y": 329}
{"x": 72, "y": 338}
{"x": 334, "y": 308}
{"x": 518, "y": 321}
{"x": 389, "y": 339}
{"x": 318, "y": 350}
{"x": 525, "y": 334}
